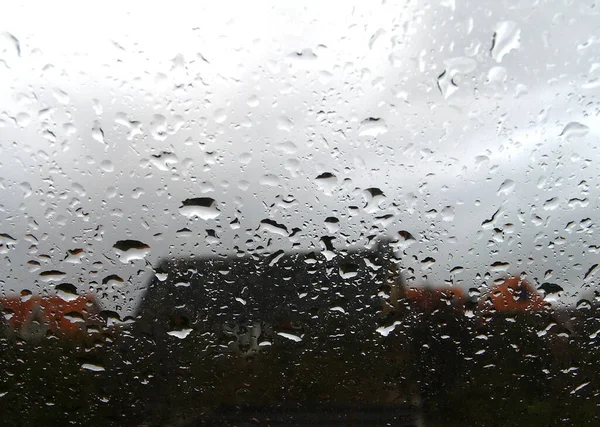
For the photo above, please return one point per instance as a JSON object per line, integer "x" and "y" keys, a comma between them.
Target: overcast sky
{"x": 111, "y": 118}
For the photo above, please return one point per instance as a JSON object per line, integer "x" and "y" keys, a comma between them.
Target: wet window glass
{"x": 300, "y": 213}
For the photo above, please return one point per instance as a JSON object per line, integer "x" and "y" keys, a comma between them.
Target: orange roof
{"x": 514, "y": 294}
{"x": 50, "y": 313}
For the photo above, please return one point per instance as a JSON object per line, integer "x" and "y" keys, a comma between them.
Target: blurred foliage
{"x": 506, "y": 371}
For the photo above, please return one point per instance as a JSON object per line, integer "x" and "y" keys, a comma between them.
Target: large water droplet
{"x": 506, "y": 38}
{"x": 163, "y": 160}
{"x": 181, "y": 334}
{"x": 113, "y": 280}
{"x": 98, "y": 134}
{"x": 8, "y": 41}
{"x": 92, "y": 367}
{"x": 405, "y": 239}
{"x": 332, "y": 224}
{"x": 130, "y": 250}
{"x": 107, "y": 166}
{"x": 52, "y": 275}
{"x": 6, "y": 239}
{"x": 289, "y": 336}
{"x": 348, "y": 271}
{"x": 374, "y": 197}
{"x": 506, "y": 187}
{"x": 201, "y": 207}
{"x": 446, "y": 84}
{"x": 219, "y": 115}
{"x": 574, "y": 130}
{"x": 273, "y": 227}
{"x": 385, "y": 330}
{"x": 372, "y": 127}
{"x": 67, "y": 292}
{"x": 326, "y": 182}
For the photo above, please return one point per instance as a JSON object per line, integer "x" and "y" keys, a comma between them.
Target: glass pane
{"x": 300, "y": 213}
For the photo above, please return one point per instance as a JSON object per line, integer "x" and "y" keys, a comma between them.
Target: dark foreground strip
{"x": 403, "y": 416}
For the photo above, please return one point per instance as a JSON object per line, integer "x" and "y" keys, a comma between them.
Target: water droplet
{"x": 584, "y": 305}
{"x": 372, "y": 127}
{"x": 137, "y": 192}
{"x": 454, "y": 66}
{"x": 285, "y": 123}
{"x": 253, "y": 101}
{"x": 181, "y": 334}
{"x": 579, "y": 387}
{"x": 98, "y": 134}
{"x": 326, "y": 182}
{"x": 61, "y": 96}
{"x": 270, "y": 180}
{"x": 92, "y": 367}
{"x": 113, "y": 280}
{"x": 26, "y": 295}
{"x": 447, "y": 214}
{"x": 374, "y": 197}
{"x": 67, "y": 292}
{"x": 287, "y": 147}
{"x": 219, "y": 115}
{"x": 505, "y": 39}
{"x": 574, "y": 130}
{"x": 107, "y": 166}
{"x": 245, "y": 158}
{"x": 506, "y": 187}
{"x": 10, "y": 41}
{"x": 164, "y": 160}
{"x": 496, "y": 78}
{"x": 348, "y": 271}
{"x": 182, "y": 285}
{"x": 551, "y": 204}
{"x": 6, "y": 239}
{"x": 306, "y": 54}
{"x": 591, "y": 271}
{"x": 158, "y": 127}
{"x": 23, "y": 119}
{"x": 97, "y": 106}
{"x": 111, "y": 192}
{"x": 202, "y": 207}
{"x": 74, "y": 317}
{"x": 375, "y": 37}
{"x": 550, "y": 288}
{"x": 499, "y": 267}
{"x": 289, "y": 336}
{"x": 332, "y": 224}
{"x": 446, "y": 84}
{"x": 405, "y": 239}
{"x": 52, "y": 275}
{"x": 130, "y": 250}
{"x": 273, "y": 227}
{"x": 385, "y": 330}
{"x": 427, "y": 262}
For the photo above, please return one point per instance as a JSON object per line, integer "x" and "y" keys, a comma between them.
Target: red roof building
{"x": 513, "y": 295}
{"x": 35, "y": 316}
